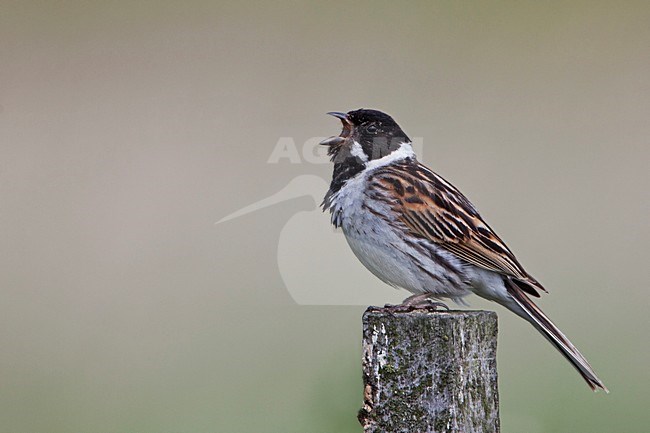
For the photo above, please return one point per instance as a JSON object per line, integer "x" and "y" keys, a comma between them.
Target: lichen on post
{"x": 430, "y": 372}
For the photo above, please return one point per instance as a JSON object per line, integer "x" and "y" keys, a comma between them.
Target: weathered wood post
{"x": 430, "y": 372}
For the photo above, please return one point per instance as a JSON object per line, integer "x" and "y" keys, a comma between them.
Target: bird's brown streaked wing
{"x": 434, "y": 209}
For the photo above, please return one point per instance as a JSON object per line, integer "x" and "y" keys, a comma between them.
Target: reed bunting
{"x": 414, "y": 230}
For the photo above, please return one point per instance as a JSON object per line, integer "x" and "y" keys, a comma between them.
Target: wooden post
{"x": 430, "y": 372}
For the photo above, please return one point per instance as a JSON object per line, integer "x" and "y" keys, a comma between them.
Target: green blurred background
{"x": 128, "y": 128}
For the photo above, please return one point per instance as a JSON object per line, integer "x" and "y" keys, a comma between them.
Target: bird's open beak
{"x": 336, "y": 141}
{"x": 342, "y": 116}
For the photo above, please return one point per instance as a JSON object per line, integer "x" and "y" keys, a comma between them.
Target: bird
{"x": 414, "y": 230}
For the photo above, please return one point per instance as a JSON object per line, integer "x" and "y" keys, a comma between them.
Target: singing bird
{"x": 416, "y": 231}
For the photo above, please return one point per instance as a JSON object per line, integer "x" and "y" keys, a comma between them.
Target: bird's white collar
{"x": 404, "y": 151}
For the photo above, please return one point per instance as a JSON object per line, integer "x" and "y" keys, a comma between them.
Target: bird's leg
{"x": 421, "y": 301}
{"x": 424, "y": 301}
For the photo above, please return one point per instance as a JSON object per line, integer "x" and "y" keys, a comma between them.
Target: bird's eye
{"x": 371, "y": 129}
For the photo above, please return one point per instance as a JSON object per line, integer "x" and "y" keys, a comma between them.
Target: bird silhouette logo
{"x": 306, "y": 270}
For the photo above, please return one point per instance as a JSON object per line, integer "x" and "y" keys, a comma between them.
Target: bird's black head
{"x": 367, "y": 134}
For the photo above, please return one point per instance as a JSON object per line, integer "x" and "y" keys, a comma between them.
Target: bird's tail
{"x": 527, "y": 309}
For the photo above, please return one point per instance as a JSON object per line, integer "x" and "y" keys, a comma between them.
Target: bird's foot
{"x": 422, "y": 301}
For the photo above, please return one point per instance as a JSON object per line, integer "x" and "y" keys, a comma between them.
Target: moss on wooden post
{"x": 430, "y": 372}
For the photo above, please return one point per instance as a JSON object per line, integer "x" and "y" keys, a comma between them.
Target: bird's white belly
{"x": 382, "y": 248}
{"x": 383, "y": 262}
{"x": 392, "y": 263}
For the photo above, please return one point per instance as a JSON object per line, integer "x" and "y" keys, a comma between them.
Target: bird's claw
{"x": 412, "y": 304}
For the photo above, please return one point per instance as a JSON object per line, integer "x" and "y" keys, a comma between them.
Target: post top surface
{"x": 381, "y": 312}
